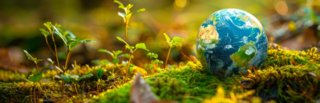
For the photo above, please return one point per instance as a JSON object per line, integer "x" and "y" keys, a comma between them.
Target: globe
{"x": 231, "y": 41}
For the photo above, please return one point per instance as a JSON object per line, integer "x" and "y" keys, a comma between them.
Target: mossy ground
{"x": 286, "y": 75}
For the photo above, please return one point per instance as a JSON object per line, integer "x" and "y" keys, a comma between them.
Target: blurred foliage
{"x": 287, "y": 75}
{"x": 98, "y": 20}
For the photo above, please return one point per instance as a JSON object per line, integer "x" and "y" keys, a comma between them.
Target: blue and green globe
{"x": 231, "y": 41}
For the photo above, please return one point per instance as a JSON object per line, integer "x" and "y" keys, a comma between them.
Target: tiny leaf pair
{"x": 132, "y": 48}
{"x": 114, "y": 55}
{"x": 35, "y": 60}
{"x": 175, "y": 41}
{"x": 127, "y": 13}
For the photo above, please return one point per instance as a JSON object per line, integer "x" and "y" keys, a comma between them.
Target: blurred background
{"x": 293, "y": 24}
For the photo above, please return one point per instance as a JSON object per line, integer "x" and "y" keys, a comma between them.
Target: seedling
{"x": 70, "y": 41}
{"x": 175, "y": 41}
{"x": 154, "y": 60}
{"x": 114, "y": 55}
{"x": 99, "y": 73}
{"x": 126, "y": 17}
{"x": 132, "y": 50}
{"x": 50, "y": 32}
{"x": 75, "y": 79}
{"x": 35, "y": 60}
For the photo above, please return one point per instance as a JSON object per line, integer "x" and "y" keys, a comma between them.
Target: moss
{"x": 287, "y": 75}
{"x": 183, "y": 84}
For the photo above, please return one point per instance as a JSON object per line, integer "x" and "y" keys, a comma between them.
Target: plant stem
{"x": 148, "y": 68}
{"x": 125, "y": 78}
{"x": 55, "y": 49}
{"x": 67, "y": 60}
{"x": 98, "y": 85}
{"x": 37, "y": 67}
{"x": 49, "y": 46}
{"x": 125, "y": 39}
{"x": 75, "y": 88}
{"x": 62, "y": 86}
{"x": 165, "y": 64}
{"x": 34, "y": 94}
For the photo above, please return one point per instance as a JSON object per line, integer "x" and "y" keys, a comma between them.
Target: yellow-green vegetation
{"x": 126, "y": 17}
{"x": 186, "y": 83}
{"x": 175, "y": 41}
{"x": 293, "y": 76}
{"x": 286, "y": 75}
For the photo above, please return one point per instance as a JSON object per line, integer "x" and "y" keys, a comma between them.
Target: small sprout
{"x": 132, "y": 50}
{"x": 35, "y": 60}
{"x": 99, "y": 73}
{"x": 45, "y": 33}
{"x": 75, "y": 79}
{"x": 115, "y": 55}
{"x": 175, "y": 41}
{"x": 154, "y": 60}
{"x": 126, "y": 17}
{"x": 152, "y": 55}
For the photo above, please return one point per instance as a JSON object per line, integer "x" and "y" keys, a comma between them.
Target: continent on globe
{"x": 244, "y": 56}
{"x": 231, "y": 41}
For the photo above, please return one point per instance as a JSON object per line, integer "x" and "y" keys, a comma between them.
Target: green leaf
{"x": 116, "y": 53}
{"x": 121, "y": 6}
{"x": 128, "y": 7}
{"x": 115, "y": 61}
{"x": 59, "y": 69}
{"x": 57, "y": 25}
{"x": 71, "y": 34}
{"x": 123, "y": 15}
{"x": 167, "y": 37}
{"x": 141, "y": 46}
{"x": 74, "y": 76}
{"x": 62, "y": 55}
{"x": 140, "y": 10}
{"x": 87, "y": 41}
{"x": 130, "y": 68}
{"x": 99, "y": 73}
{"x": 127, "y": 45}
{"x": 60, "y": 35}
{"x": 120, "y": 39}
{"x": 157, "y": 61}
{"x": 176, "y": 44}
{"x": 36, "y": 77}
{"x": 152, "y": 55}
{"x": 66, "y": 78}
{"x": 128, "y": 55}
{"x": 28, "y": 55}
{"x": 85, "y": 76}
{"x": 50, "y": 60}
{"x": 105, "y": 51}
{"x": 44, "y": 32}
{"x": 48, "y": 25}
{"x": 73, "y": 80}
{"x": 75, "y": 43}
{"x": 38, "y": 60}
{"x": 177, "y": 39}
